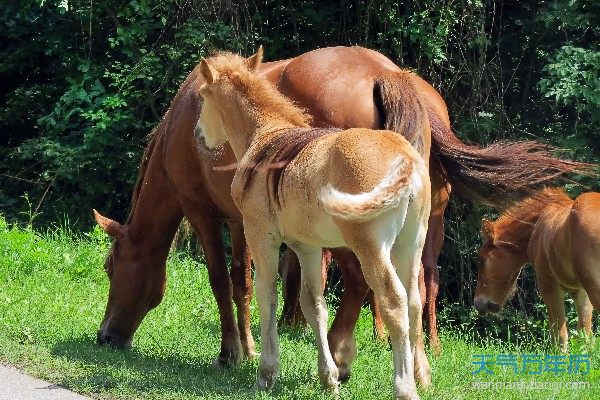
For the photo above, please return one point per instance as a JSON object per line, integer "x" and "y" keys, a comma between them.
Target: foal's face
{"x": 136, "y": 286}
{"x": 500, "y": 265}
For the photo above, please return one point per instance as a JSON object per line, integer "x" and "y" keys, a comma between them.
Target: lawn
{"x": 52, "y": 296}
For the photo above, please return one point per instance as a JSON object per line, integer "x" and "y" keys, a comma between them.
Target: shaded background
{"x": 82, "y": 83}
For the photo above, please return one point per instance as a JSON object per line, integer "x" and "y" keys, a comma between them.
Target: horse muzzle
{"x": 113, "y": 339}
{"x": 485, "y": 306}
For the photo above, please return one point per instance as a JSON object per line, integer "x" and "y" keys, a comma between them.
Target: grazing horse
{"x": 180, "y": 177}
{"x": 310, "y": 188}
{"x": 561, "y": 238}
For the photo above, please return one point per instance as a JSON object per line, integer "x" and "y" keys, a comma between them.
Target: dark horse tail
{"x": 499, "y": 174}
{"x": 402, "y": 108}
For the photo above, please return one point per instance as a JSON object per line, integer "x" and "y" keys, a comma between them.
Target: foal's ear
{"x": 113, "y": 228}
{"x": 208, "y": 72}
{"x": 253, "y": 62}
{"x": 488, "y": 230}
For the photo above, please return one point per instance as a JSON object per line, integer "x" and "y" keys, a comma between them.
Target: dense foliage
{"x": 83, "y": 83}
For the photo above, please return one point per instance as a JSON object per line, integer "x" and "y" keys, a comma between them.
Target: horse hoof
{"x": 264, "y": 384}
{"x": 251, "y": 354}
{"x": 344, "y": 375}
{"x": 423, "y": 379}
{"x": 226, "y": 361}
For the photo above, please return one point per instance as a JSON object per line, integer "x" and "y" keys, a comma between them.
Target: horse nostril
{"x": 481, "y": 305}
{"x": 100, "y": 338}
{"x": 103, "y": 338}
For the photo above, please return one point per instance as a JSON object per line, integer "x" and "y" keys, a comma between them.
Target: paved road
{"x": 15, "y": 385}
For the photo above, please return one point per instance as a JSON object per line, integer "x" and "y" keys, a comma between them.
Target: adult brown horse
{"x": 561, "y": 238}
{"x": 178, "y": 178}
{"x": 365, "y": 189}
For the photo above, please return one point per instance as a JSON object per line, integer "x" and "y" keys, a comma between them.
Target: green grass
{"x": 52, "y": 296}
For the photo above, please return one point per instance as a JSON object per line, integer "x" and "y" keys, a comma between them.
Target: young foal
{"x": 561, "y": 238}
{"x": 311, "y": 188}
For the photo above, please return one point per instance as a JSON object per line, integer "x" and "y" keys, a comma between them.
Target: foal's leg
{"x": 264, "y": 248}
{"x": 315, "y": 311}
{"x": 241, "y": 279}
{"x": 374, "y": 255}
{"x": 584, "y": 311}
{"x": 406, "y": 254}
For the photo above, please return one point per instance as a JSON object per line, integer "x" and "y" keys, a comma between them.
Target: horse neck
{"x": 156, "y": 213}
{"x": 257, "y": 129}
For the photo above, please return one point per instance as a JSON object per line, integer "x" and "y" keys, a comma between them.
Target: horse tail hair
{"x": 501, "y": 173}
{"x": 402, "y": 107}
{"x": 401, "y": 181}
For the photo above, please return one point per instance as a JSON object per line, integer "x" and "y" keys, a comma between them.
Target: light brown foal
{"x": 312, "y": 188}
{"x": 561, "y": 238}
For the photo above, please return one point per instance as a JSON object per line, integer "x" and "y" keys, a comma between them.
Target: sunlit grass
{"x": 52, "y": 296}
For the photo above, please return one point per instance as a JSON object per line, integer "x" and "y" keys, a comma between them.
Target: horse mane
{"x": 271, "y": 104}
{"x": 273, "y": 108}
{"x": 143, "y": 168}
{"x": 276, "y": 155}
{"x": 532, "y": 206}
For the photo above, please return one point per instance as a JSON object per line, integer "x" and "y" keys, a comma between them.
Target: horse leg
{"x": 378, "y": 325}
{"x": 241, "y": 279}
{"x": 314, "y": 308}
{"x": 341, "y": 334}
{"x": 290, "y": 276}
{"x": 431, "y": 252}
{"x": 208, "y": 230}
{"x": 554, "y": 298}
{"x": 265, "y": 253}
{"x": 584, "y": 311}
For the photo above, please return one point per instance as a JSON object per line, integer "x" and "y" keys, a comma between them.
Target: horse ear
{"x": 253, "y": 62}
{"x": 488, "y": 230}
{"x": 208, "y": 72}
{"x": 113, "y": 228}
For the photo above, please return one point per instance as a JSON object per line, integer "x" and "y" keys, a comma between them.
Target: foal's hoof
{"x": 333, "y": 387}
{"x": 330, "y": 382}
{"x": 407, "y": 395}
{"x": 422, "y": 372}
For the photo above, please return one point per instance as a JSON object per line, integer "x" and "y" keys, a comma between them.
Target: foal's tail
{"x": 401, "y": 181}
{"x": 503, "y": 172}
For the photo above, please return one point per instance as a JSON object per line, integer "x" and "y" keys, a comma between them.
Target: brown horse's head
{"x": 135, "y": 287}
{"x": 501, "y": 261}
